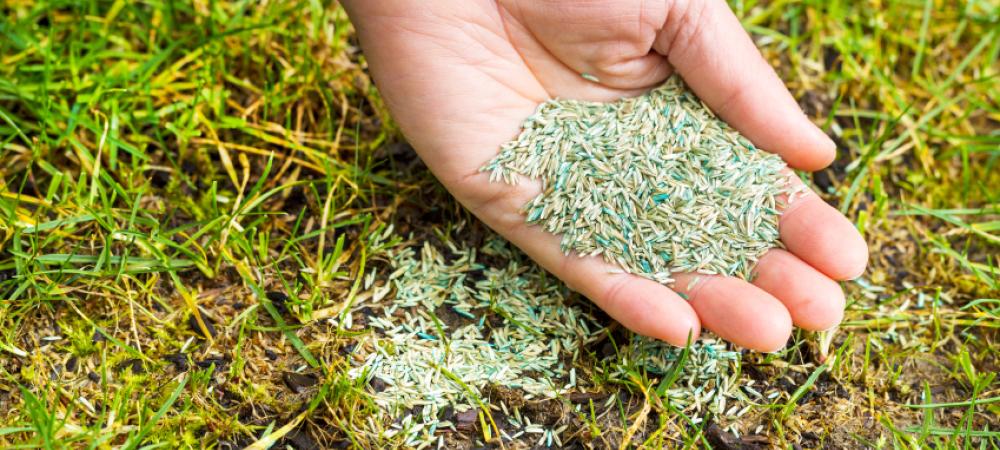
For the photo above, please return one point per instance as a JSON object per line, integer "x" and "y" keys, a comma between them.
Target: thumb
{"x": 705, "y": 43}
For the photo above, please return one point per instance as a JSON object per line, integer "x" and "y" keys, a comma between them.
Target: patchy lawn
{"x": 194, "y": 197}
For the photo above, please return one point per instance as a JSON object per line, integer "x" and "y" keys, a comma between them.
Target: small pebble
{"x": 279, "y": 300}
{"x": 193, "y": 324}
{"x": 466, "y": 420}
{"x": 179, "y": 360}
{"x": 298, "y": 382}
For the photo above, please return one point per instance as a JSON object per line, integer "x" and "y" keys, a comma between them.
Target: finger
{"x": 737, "y": 311}
{"x": 641, "y": 305}
{"x": 814, "y": 301}
{"x": 609, "y": 42}
{"x": 706, "y": 44}
{"x": 820, "y": 235}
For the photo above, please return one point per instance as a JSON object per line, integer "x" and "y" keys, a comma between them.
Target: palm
{"x": 459, "y": 81}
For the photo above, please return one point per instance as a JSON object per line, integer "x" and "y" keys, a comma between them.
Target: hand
{"x": 461, "y": 76}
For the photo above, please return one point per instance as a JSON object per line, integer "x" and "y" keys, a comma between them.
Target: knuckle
{"x": 686, "y": 23}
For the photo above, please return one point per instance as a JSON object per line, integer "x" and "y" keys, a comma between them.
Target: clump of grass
{"x": 656, "y": 183}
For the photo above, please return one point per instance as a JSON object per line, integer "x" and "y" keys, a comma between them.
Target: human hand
{"x": 460, "y": 77}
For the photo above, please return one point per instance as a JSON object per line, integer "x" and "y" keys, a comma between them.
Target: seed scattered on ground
{"x": 656, "y": 184}
{"x": 523, "y": 337}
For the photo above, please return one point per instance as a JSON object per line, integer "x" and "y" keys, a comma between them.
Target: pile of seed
{"x": 657, "y": 184}
{"x": 453, "y": 326}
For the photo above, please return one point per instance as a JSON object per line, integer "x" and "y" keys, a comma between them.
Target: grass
{"x": 190, "y": 189}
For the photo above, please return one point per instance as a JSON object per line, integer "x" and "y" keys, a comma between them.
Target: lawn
{"x": 202, "y": 205}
